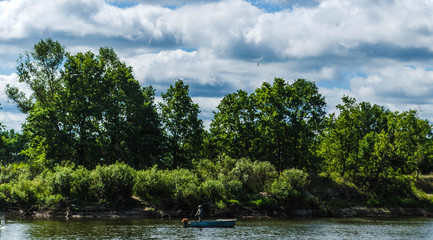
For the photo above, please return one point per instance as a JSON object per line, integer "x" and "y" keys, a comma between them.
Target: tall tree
{"x": 276, "y": 123}
{"x": 96, "y": 113}
{"x": 109, "y": 111}
{"x": 395, "y": 152}
{"x": 290, "y": 116}
{"x": 234, "y": 126}
{"x": 340, "y": 141}
{"x": 372, "y": 144}
{"x": 184, "y": 130}
{"x": 39, "y": 69}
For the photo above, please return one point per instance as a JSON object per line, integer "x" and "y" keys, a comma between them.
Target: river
{"x": 320, "y": 228}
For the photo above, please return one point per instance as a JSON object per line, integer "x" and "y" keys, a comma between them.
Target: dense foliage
{"x": 183, "y": 128}
{"x": 276, "y": 123}
{"x": 88, "y": 111}
{"x": 92, "y": 133}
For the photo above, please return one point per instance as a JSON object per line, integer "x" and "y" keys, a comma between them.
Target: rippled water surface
{"x": 323, "y": 228}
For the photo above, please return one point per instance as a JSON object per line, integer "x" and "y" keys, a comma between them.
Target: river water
{"x": 320, "y": 228}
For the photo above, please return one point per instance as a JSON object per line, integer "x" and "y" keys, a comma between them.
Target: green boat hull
{"x": 220, "y": 223}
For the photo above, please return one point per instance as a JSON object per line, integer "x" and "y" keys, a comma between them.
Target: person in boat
{"x": 199, "y": 213}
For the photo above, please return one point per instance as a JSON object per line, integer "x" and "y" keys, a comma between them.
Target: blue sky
{"x": 376, "y": 51}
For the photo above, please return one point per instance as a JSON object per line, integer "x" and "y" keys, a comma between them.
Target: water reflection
{"x": 418, "y": 228}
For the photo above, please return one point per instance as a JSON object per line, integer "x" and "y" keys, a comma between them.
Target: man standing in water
{"x": 199, "y": 213}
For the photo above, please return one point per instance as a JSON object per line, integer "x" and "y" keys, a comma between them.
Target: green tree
{"x": 183, "y": 129}
{"x": 11, "y": 146}
{"x": 39, "y": 69}
{"x": 290, "y": 116}
{"x": 89, "y": 111}
{"x": 234, "y": 126}
{"x": 276, "y": 123}
{"x": 111, "y": 117}
{"x": 411, "y": 137}
{"x": 375, "y": 145}
{"x": 339, "y": 145}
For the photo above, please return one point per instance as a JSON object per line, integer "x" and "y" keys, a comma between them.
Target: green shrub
{"x": 81, "y": 182}
{"x": 234, "y": 187}
{"x": 113, "y": 182}
{"x": 207, "y": 169}
{"x": 72, "y": 185}
{"x": 220, "y": 205}
{"x": 213, "y": 190}
{"x": 27, "y": 193}
{"x": 164, "y": 187}
{"x": 153, "y": 185}
{"x": 61, "y": 180}
{"x": 185, "y": 184}
{"x": 5, "y": 194}
{"x": 264, "y": 174}
{"x": 290, "y": 184}
{"x": 264, "y": 203}
{"x": 15, "y": 171}
{"x": 226, "y": 164}
{"x": 372, "y": 202}
{"x": 255, "y": 176}
{"x": 399, "y": 185}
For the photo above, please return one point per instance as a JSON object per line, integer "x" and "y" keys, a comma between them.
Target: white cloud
{"x": 12, "y": 80}
{"x": 398, "y": 88}
{"x": 207, "y": 104}
{"x": 399, "y": 84}
{"x": 12, "y": 120}
{"x": 9, "y": 114}
{"x": 207, "y": 107}
{"x": 333, "y": 97}
{"x": 300, "y": 32}
{"x": 330, "y": 27}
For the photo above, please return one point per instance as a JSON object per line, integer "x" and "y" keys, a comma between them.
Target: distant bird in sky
{"x": 258, "y": 61}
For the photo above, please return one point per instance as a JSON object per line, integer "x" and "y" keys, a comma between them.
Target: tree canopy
{"x": 276, "y": 123}
{"x": 183, "y": 128}
{"x": 88, "y": 109}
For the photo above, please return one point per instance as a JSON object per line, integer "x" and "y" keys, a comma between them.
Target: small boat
{"x": 219, "y": 223}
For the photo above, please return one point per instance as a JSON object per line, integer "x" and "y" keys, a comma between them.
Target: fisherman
{"x": 199, "y": 213}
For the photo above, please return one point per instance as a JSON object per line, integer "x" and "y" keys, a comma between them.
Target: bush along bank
{"x": 226, "y": 188}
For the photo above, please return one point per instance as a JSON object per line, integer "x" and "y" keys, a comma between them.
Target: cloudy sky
{"x": 379, "y": 51}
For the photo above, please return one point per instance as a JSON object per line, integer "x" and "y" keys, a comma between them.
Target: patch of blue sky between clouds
{"x": 209, "y": 90}
{"x": 123, "y": 4}
{"x": 267, "y": 6}
{"x": 189, "y": 49}
{"x": 272, "y": 6}
{"x": 392, "y": 51}
{"x": 171, "y": 4}
{"x": 342, "y": 79}
{"x": 7, "y": 70}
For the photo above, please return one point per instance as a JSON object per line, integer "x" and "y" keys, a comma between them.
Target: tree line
{"x": 87, "y": 109}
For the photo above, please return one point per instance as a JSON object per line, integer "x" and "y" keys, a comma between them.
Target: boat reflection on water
{"x": 219, "y": 223}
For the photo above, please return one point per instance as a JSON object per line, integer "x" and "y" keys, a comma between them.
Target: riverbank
{"x": 101, "y": 211}
{"x": 119, "y": 191}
